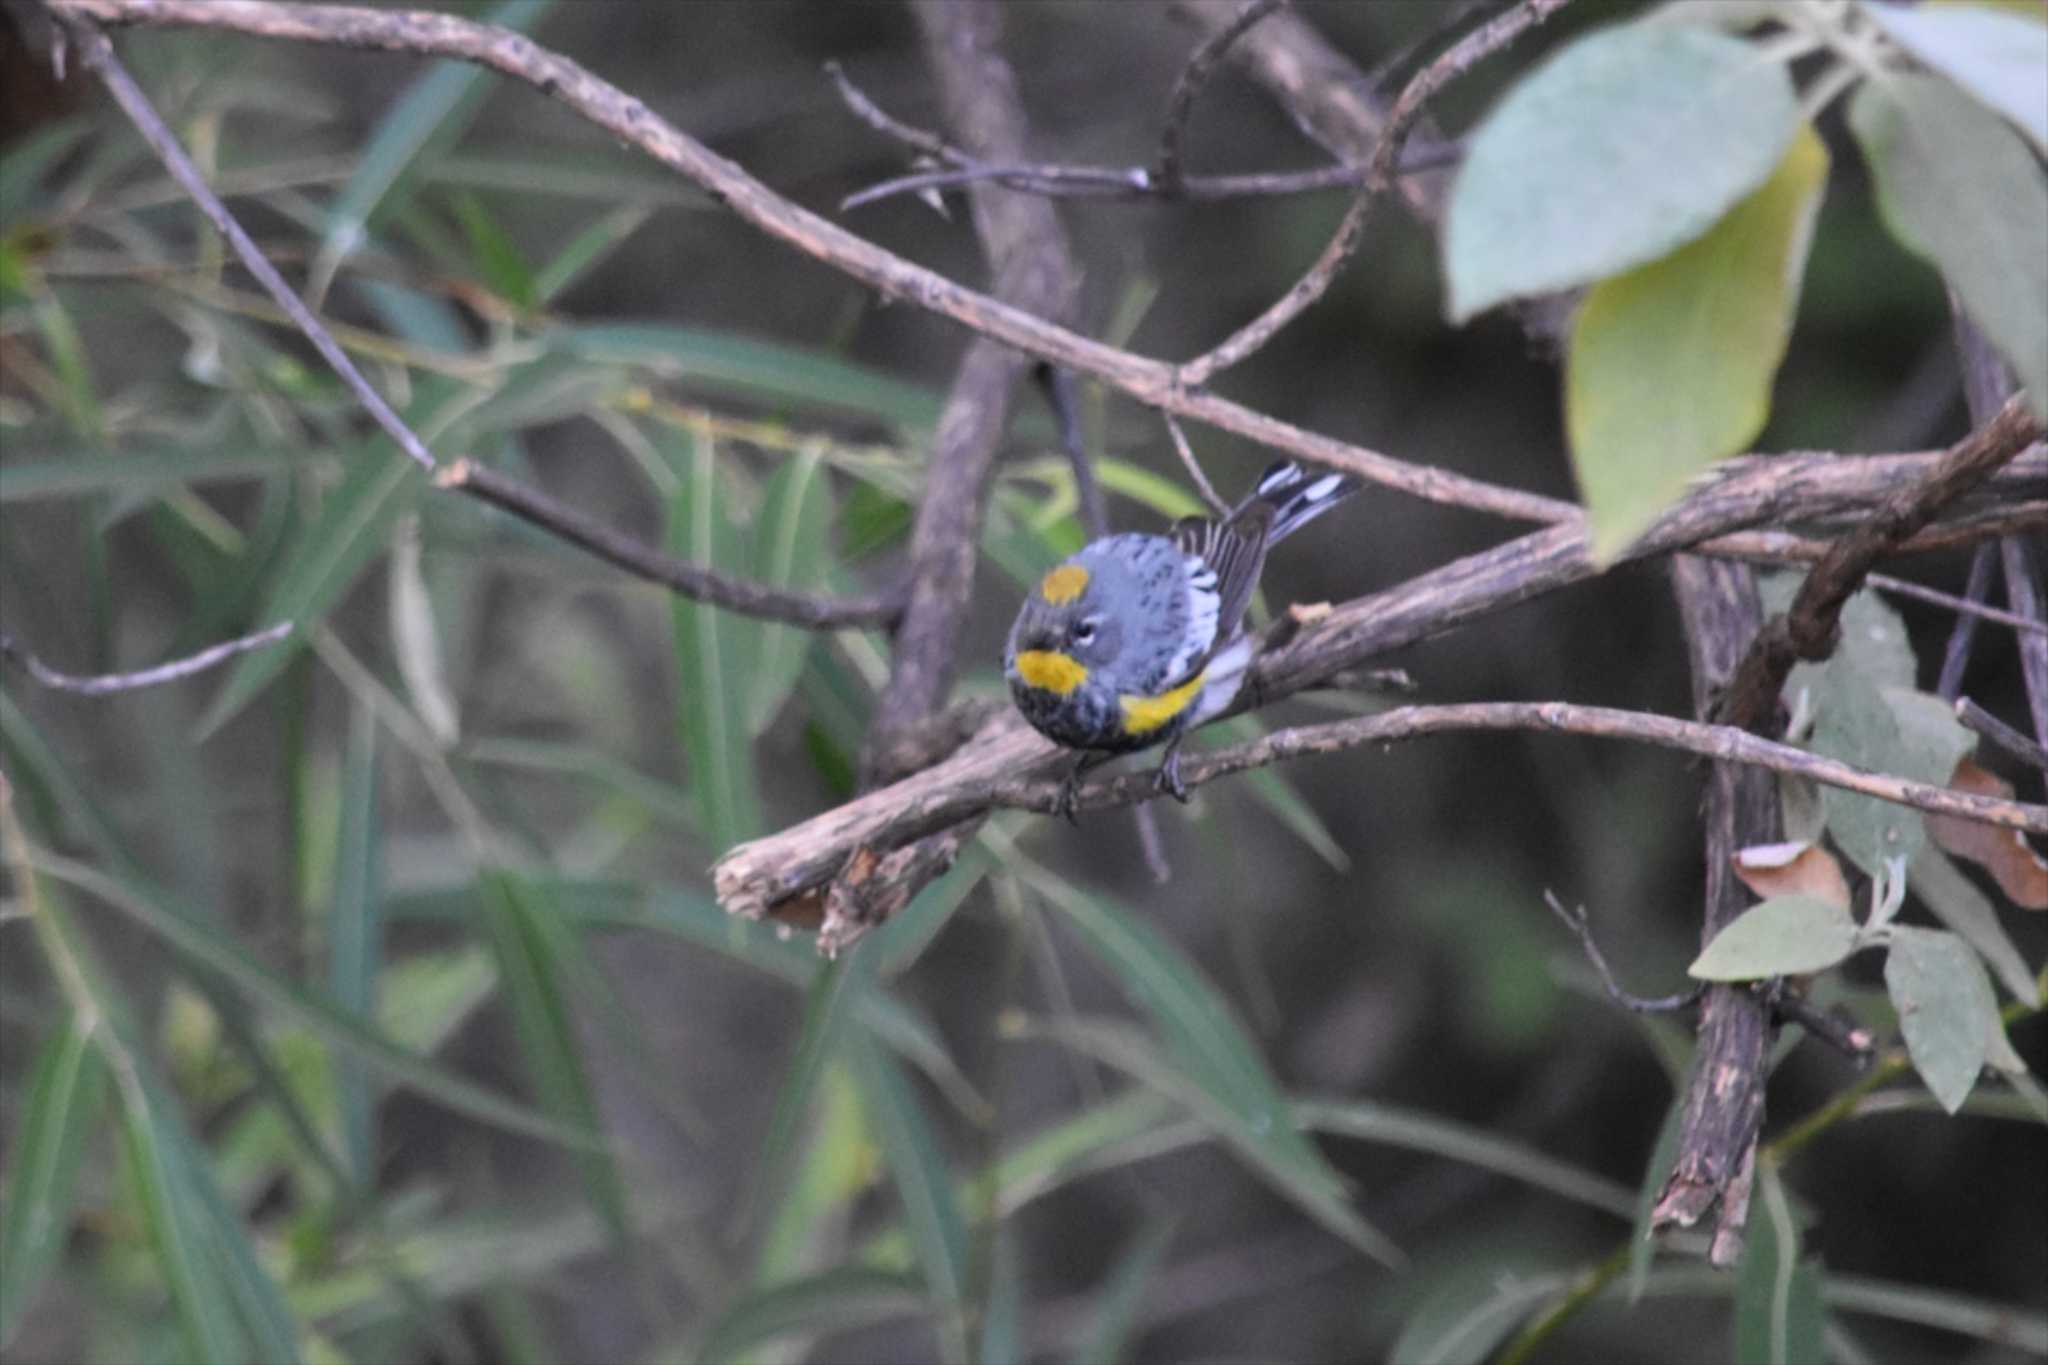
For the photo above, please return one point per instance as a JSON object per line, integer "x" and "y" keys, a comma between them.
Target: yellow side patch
{"x": 1048, "y": 670}
{"x": 1142, "y": 715}
{"x": 1064, "y": 584}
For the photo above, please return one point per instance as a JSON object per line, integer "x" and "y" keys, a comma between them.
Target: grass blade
{"x": 146, "y": 905}
{"x": 924, "y": 1183}
{"x": 433, "y": 113}
{"x": 715, "y": 655}
{"x": 790, "y": 542}
{"x": 1123, "y": 1289}
{"x": 835, "y": 1301}
{"x": 355, "y": 935}
{"x": 57, "y": 1122}
{"x": 525, "y": 932}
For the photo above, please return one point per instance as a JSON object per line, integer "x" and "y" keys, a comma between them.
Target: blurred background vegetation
{"x": 420, "y": 1037}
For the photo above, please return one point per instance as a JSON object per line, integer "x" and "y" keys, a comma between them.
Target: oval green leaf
{"x": 2000, "y": 58}
{"x": 1626, "y": 145}
{"x": 1669, "y": 366}
{"x": 1779, "y": 937}
{"x": 1946, "y": 1009}
{"x": 1958, "y": 186}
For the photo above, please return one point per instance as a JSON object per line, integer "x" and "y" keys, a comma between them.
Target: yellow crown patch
{"x": 1063, "y": 584}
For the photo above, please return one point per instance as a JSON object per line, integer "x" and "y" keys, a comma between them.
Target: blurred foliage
{"x": 365, "y": 1001}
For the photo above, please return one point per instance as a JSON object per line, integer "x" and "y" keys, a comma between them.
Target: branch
{"x": 996, "y": 770}
{"x": 1955, "y": 659}
{"x": 1474, "y": 47}
{"x": 1975, "y": 717}
{"x": 97, "y": 55}
{"x": 1150, "y": 382}
{"x": 99, "y": 685}
{"x": 1968, "y": 605}
{"x": 813, "y": 611}
{"x": 1809, "y": 629}
{"x": 1180, "y": 102}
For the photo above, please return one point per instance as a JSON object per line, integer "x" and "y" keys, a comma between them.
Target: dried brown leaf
{"x": 2019, "y": 871}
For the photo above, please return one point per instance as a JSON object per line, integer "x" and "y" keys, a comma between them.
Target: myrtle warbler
{"x": 1136, "y": 639}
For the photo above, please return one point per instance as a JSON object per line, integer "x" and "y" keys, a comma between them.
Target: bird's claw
{"x": 1167, "y": 779}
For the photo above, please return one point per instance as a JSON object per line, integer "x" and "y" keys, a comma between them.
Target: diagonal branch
{"x": 1809, "y": 628}
{"x": 813, "y": 611}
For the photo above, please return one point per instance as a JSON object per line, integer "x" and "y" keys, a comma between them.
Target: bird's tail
{"x": 1298, "y": 496}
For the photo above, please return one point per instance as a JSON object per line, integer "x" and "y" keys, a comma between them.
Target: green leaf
{"x": 1670, "y": 366}
{"x": 355, "y": 522}
{"x": 496, "y": 256}
{"x": 1958, "y": 186}
{"x": 56, "y": 1125}
{"x": 924, "y": 1184}
{"x": 1471, "y": 1315}
{"x": 2000, "y": 58}
{"x": 434, "y": 112}
{"x": 36, "y": 475}
{"x": 524, "y": 929}
{"x": 715, "y": 655}
{"x": 1123, "y": 1290}
{"x": 211, "y": 947}
{"x": 1642, "y": 1244}
{"x": 587, "y": 249}
{"x": 1946, "y": 1009}
{"x": 157, "y": 1177}
{"x": 1570, "y": 178}
{"x": 838, "y": 1300}
{"x": 1955, "y": 900}
{"x": 1782, "y": 936}
{"x": 1210, "y": 1048}
{"x": 791, "y": 539}
{"x": 827, "y": 1004}
{"x": 355, "y": 936}
{"x": 1889, "y": 730}
{"x": 1780, "y": 1317}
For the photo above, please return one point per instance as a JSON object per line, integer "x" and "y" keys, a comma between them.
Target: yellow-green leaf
{"x": 1670, "y": 365}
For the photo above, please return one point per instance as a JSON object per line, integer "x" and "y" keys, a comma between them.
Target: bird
{"x": 1137, "y": 638}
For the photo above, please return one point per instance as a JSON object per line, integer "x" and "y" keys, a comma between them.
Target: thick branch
{"x": 996, "y": 770}
{"x": 813, "y": 611}
{"x": 1808, "y": 630}
{"x": 1724, "y": 1100}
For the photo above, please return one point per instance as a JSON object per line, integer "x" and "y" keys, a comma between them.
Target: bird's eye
{"x": 1084, "y": 632}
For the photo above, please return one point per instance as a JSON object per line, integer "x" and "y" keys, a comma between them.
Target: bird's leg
{"x": 1167, "y": 779}
{"x": 1070, "y": 785}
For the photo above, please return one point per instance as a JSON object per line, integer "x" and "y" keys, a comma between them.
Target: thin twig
{"x": 1060, "y": 180}
{"x": 1974, "y": 717}
{"x": 97, "y": 55}
{"x": 1066, "y": 411}
{"x": 1482, "y": 42}
{"x": 1808, "y": 629}
{"x": 1969, "y": 605}
{"x": 1194, "y": 467}
{"x": 1850, "y": 1039}
{"x": 1180, "y": 102}
{"x": 1955, "y": 660}
{"x": 99, "y": 685}
{"x": 1575, "y": 920}
{"x": 813, "y": 611}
